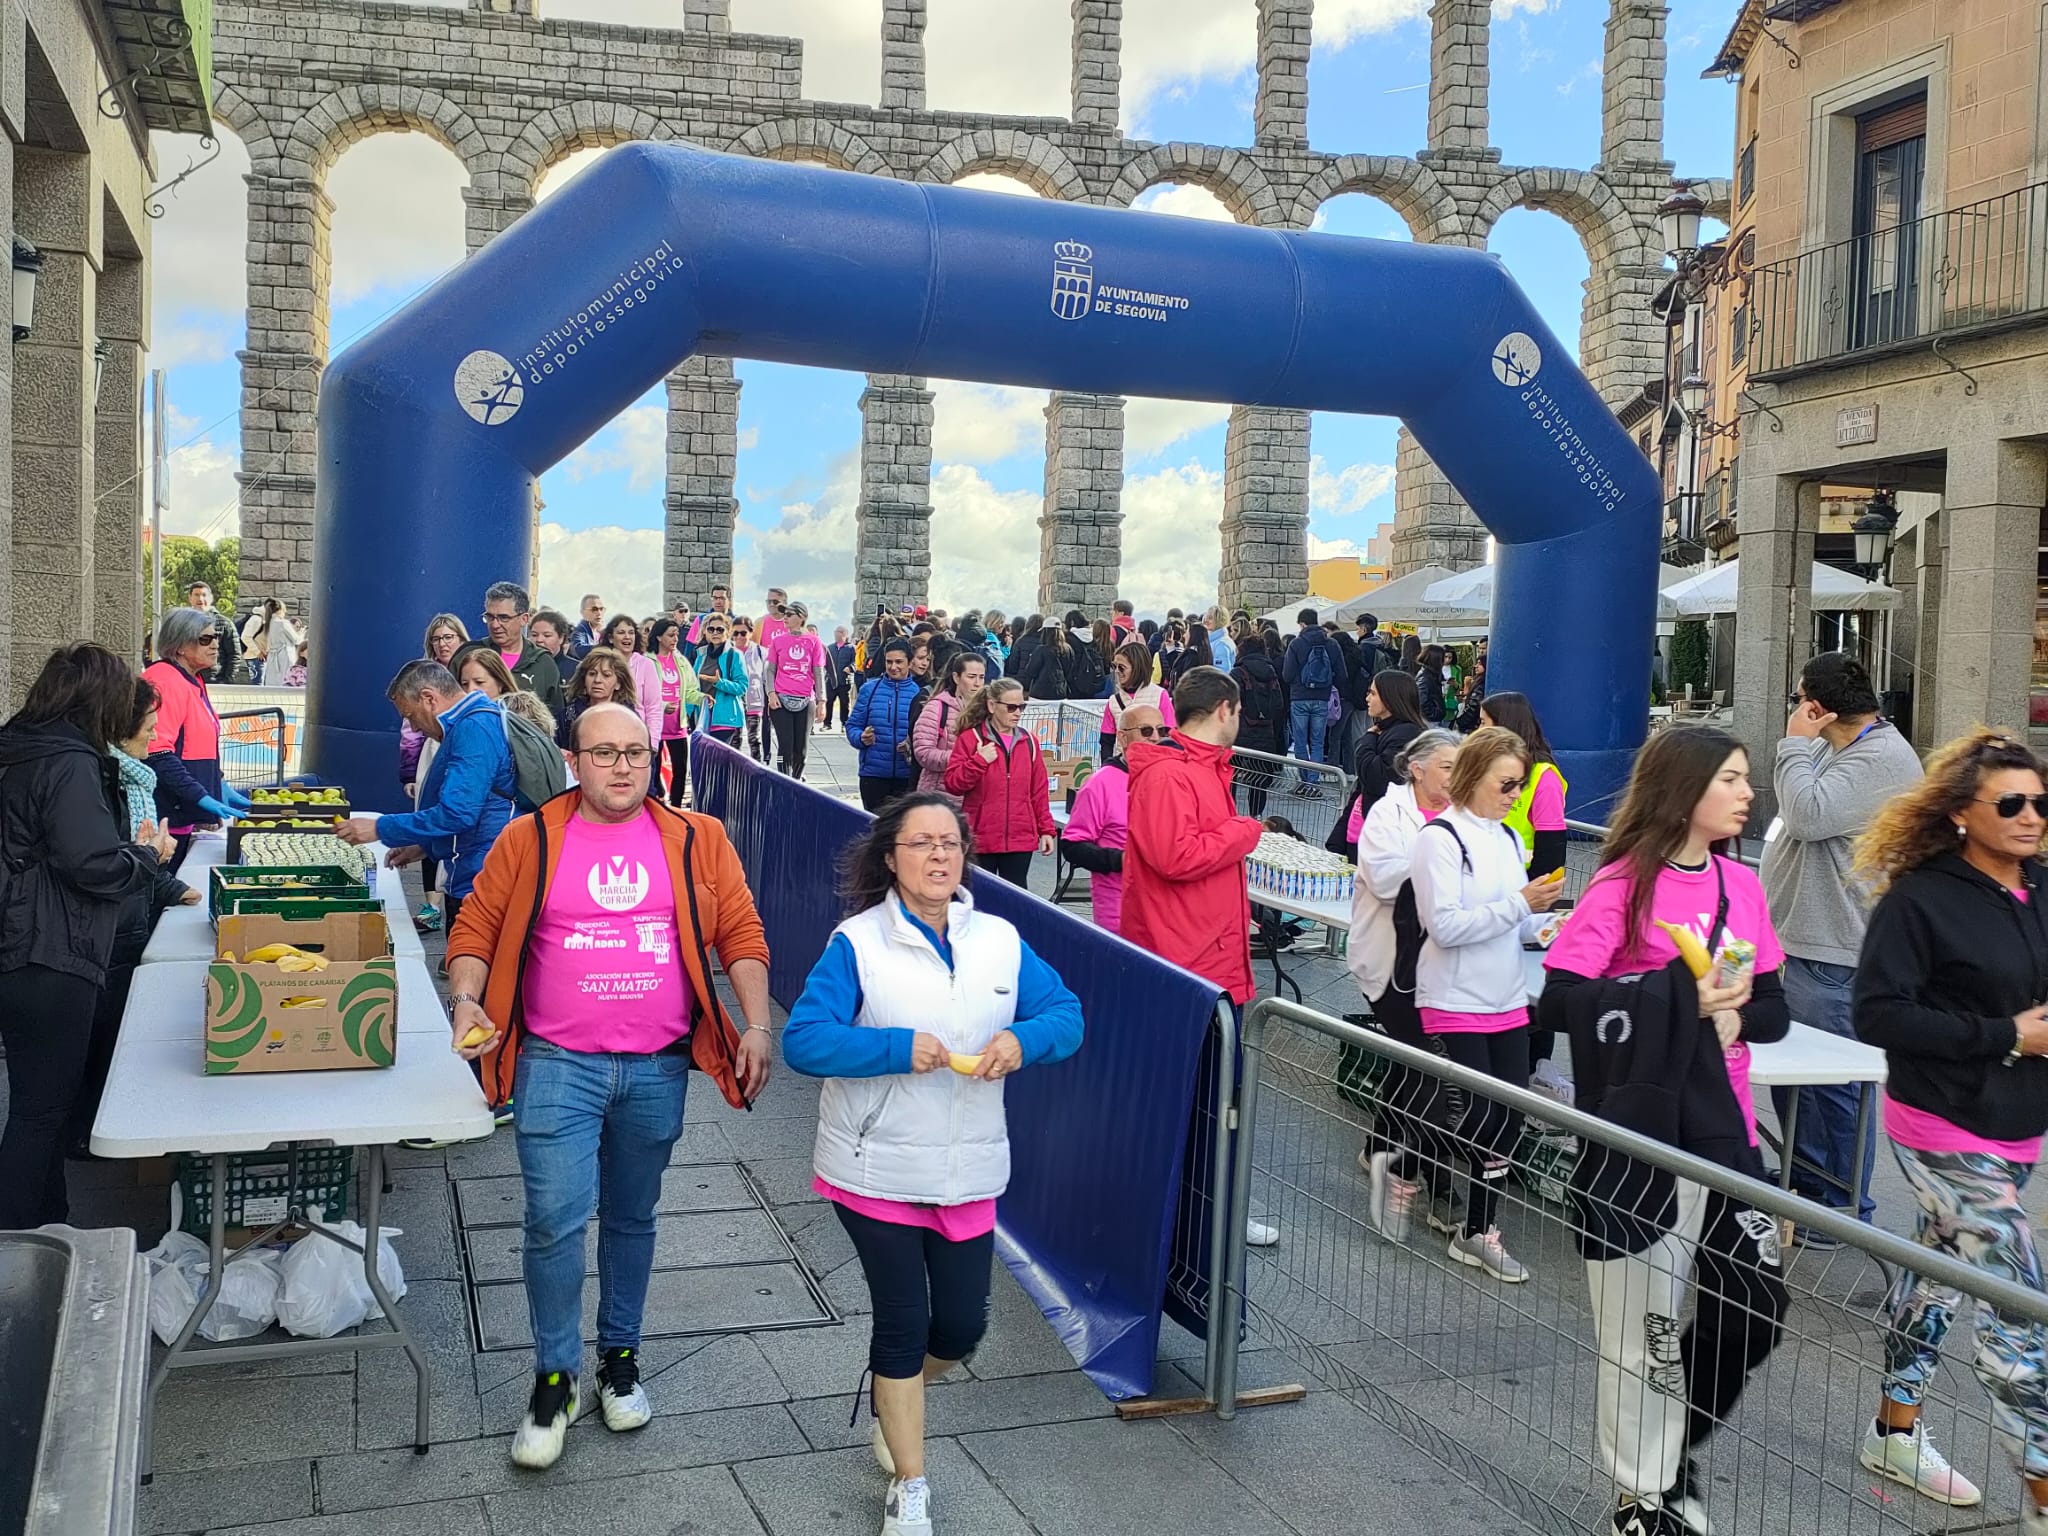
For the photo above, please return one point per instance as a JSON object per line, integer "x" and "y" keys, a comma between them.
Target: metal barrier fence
{"x": 254, "y": 747}
{"x": 1066, "y": 728}
{"x": 1502, "y": 1384}
{"x": 1311, "y": 796}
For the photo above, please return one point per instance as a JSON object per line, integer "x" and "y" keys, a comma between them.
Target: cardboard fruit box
{"x": 262, "y": 1018}
{"x": 292, "y": 799}
{"x": 227, "y": 882}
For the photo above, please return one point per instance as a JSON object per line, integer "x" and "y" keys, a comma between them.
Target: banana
{"x": 966, "y": 1066}
{"x": 270, "y": 954}
{"x": 302, "y": 962}
{"x": 1690, "y": 949}
{"x": 303, "y": 1002}
{"x": 477, "y": 1036}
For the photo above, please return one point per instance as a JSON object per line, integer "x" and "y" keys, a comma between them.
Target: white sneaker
{"x": 549, "y": 1413}
{"x": 1914, "y": 1460}
{"x": 907, "y": 1511}
{"x": 619, "y": 1392}
{"x": 1390, "y": 1200}
{"x": 1484, "y": 1250}
{"x": 1259, "y": 1235}
{"x": 883, "y": 1459}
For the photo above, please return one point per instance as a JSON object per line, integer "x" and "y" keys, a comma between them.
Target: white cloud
{"x": 623, "y": 564}
{"x": 1335, "y": 549}
{"x": 398, "y": 214}
{"x": 1184, "y": 201}
{"x": 1173, "y": 543}
{"x": 1349, "y": 489}
{"x": 991, "y": 181}
{"x": 984, "y": 423}
{"x": 749, "y": 439}
{"x": 205, "y": 342}
{"x": 196, "y": 247}
{"x": 984, "y": 543}
{"x": 635, "y": 442}
{"x": 1589, "y": 73}
{"x": 1152, "y": 426}
{"x": 842, "y": 41}
{"x": 568, "y": 168}
{"x": 203, "y": 493}
{"x": 809, "y": 550}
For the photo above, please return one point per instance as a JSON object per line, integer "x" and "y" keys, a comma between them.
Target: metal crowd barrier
{"x": 1311, "y": 796}
{"x": 1065, "y": 728}
{"x": 1498, "y": 1383}
{"x": 254, "y": 748}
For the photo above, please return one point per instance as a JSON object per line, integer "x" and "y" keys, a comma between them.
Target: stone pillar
{"x": 1992, "y": 506}
{"x": 903, "y": 55}
{"x": 1280, "y": 115}
{"x": 487, "y": 214}
{"x": 1097, "y": 79}
{"x": 707, "y": 16}
{"x": 1929, "y": 544}
{"x": 1621, "y": 342}
{"x": 1776, "y": 522}
{"x": 703, "y": 461}
{"x": 289, "y": 268}
{"x": 1632, "y": 85}
{"x": 1459, "y": 44}
{"x": 892, "y": 557}
{"x": 1080, "y": 531}
{"x": 1432, "y": 524}
{"x": 1265, "y": 508}
{"x": 56, "y": 210}
{"x": 118, "y": 470}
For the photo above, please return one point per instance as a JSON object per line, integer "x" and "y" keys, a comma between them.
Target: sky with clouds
{"x": 1187, "y": 74}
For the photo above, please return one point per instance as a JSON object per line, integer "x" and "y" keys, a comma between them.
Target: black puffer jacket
{"x": 1376, "y": 774}
{"x": 66, "y": 870}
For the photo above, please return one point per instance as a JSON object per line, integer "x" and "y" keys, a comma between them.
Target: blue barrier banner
{"x": 1096, "y": 1142}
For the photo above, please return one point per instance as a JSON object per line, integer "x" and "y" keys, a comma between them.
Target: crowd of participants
{"x": 545, "y": 774}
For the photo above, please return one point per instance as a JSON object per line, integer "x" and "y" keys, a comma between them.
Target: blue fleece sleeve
{"x": 821, "y": 1039}
{"x": 1048, "y": 1024}
{"x": 474, "y": 762}
{"x": 863, "y": 704}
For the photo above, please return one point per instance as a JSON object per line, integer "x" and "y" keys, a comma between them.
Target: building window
{"x": 1745, "y": 175}
{"x": 1891, "y": 159}
{"x": 1738, "y": 336}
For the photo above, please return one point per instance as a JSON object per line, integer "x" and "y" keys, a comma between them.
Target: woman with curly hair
{"x": 602, "y": 677}
{"x": 1950, "y": 985}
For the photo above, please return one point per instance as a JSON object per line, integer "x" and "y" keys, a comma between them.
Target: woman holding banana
{"x": 918, "y": 1009}
{"x": 1665, "y": 975}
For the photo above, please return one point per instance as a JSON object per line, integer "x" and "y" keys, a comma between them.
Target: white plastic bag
{"x": 179, "y": 1277}
{"x": 325, "y": 1290}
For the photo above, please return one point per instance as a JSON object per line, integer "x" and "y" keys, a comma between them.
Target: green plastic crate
{"x": 262, "y": 1187}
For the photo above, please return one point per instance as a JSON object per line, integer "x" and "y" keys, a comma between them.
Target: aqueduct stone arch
{"x": 507, "y": 89}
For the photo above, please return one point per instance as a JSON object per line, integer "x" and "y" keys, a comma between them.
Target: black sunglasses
{"x": 1149, "y": 732}
{"x": 2009, "y": 806}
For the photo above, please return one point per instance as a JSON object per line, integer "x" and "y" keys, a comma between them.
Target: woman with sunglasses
{"x": 446, "y": 634}
{"x": 1477, "y": 905}
{"x": 999, "y": 774}
{"x": 1950, "y": 984}
{"x": 721, "y": 679}
{"x": 185, "y": 751}
{"x": 754, "y": 657}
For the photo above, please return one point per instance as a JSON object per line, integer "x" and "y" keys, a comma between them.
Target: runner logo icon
{"x": 1073, "y": 279}
{"x": 489, "y": 388}
{"x": 617, "y": 884}
{"x": 1517, "y": 359}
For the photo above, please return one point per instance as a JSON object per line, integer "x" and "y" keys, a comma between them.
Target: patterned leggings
{"x": 1970, "y": 1209}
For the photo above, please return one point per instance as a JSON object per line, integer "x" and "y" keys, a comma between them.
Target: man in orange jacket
{"x": 580, "y": 972}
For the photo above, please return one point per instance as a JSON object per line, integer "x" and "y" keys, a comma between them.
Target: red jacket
{"x": 1008, "y": 803}
{"x": 1184, "y": 890}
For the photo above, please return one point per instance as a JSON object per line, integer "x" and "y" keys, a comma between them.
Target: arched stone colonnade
{"x": 510, "y": 93}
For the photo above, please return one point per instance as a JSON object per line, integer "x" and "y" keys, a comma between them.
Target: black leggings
{"x": 755, "y": 749}
{"x": 840, "y": 698}
{"x": 678, "y": 749}
{"x": 47, "y": 1029}
{"x": 1013, "y": 867}
{"x": 792, "y": 738}
{"x": 429, "y": 866}
{"x": 930, "y": 1295}
{"x": 876, "y": 793}
{"x": 99, "y": 1056}
{"x": 1413, "y": 1127}
{"x": 1487, "y": 1132}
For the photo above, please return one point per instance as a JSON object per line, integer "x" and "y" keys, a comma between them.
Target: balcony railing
{"x": 1979, "y": 267}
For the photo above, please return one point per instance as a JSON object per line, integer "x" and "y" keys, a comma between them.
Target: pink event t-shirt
{"x": 510, "y": 658}
{"x": 795, "y": 659}
{"x": 604, "y": 964}
{"x": 1441, "y": 1021}
{"x": 1593, "y": 941}
{"x": 1925, "y": 1132}
{"x": 955, "y": 1223}
{"x": 669, "y": 669}
{"x": 1546, "y": 805}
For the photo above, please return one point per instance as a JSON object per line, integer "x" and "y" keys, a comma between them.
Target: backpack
{"x": 1087, "y": 672}
{"x": 1048, "y": 674}
{"x": 1358, "y": 674}
{"x": 538, "y": 772}
{"x": 1264, "y": 703}
{"x": 1315, "y": 666}
{"x": 924, "y": 697}
{"x": 1408, "y": 930}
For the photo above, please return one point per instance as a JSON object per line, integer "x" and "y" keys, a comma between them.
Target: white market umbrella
{"x": 1713, "y": 592}
{"x": 1475, "y": 587}
{"x": 1284, "y": 615}
{"x": 1408, "y": 601}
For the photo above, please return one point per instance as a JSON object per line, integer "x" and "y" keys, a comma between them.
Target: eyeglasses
{"x": 1152, "y": 732}
{"x": 207, "y": 640}
{"x": 1512, "y": 786}
{"x": 1005, "y": 703}
{"x": 608, "y": 757}
{"x": 926, "y": 847}
{"x": 501, "y": 618}
{"x": 2009, "y": 806}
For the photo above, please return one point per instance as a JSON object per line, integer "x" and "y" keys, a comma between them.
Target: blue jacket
{"x": 823, "y": 1040}
{"x": 1299, "y": 649}
{"x": 467, "y": 797}
{"x": 885, "y": 705}
{"x": 728, "y": 706}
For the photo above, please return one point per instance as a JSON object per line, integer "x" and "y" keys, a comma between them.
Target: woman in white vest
{"x": 918, "y": 1009}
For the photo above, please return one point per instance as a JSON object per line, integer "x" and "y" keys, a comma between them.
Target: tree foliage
{"x": 1689, "y": 656}
{"x": 187, "y": 559}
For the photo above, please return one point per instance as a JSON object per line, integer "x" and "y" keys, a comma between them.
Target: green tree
{"x": 187, "y": 560}
{"x": 1689, "y": 656}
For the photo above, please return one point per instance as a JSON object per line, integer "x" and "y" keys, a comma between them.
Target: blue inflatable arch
{"x": 434, "y": 427}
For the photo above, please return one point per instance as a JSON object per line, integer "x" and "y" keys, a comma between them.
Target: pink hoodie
{"x": 1101, "y": 815}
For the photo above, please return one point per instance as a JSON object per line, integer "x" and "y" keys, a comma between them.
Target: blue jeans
{"x": 1817, "y": 994}
{"x": 1310, "y": 720}
{"x": 595, "y": 1132}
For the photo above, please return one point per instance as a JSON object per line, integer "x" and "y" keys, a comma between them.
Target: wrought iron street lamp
{"x": 1678, "y": 219}
{"x": 28, "y": 265}
{"x": 1874, "y": 532}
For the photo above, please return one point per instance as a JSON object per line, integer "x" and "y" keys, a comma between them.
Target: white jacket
{"x": 1384, "y": 845}
{"x": 935, "y": 1138}
{"x": 1472, "y": 907}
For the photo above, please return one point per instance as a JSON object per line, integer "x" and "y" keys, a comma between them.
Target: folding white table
{"x": 159, "y": 1100}
{"x": 186, "y": 933}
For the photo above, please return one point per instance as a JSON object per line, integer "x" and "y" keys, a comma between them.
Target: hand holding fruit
{"x": 474, "y": 1034}
{"x": 1544, "y": 892}
{"x": 1000, "y": 1057}
{"x": 928, "y": 1053}
{"x": 358, "y": 830}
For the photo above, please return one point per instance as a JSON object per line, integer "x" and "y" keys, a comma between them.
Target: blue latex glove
{"x": 236, "y": 800}
{"x": 216, "y": 810}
